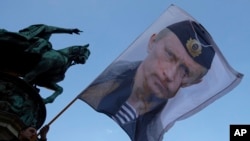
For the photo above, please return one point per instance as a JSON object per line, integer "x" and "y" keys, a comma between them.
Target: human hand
{"x": 43, "y": 132}
{"x": 76, "y": 31}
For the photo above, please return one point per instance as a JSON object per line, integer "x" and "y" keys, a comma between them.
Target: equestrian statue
{"x": 29, "y": 55}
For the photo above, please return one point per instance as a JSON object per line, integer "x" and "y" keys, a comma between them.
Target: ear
{"x": 151, "y": 42}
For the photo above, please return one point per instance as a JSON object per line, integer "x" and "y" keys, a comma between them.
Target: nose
{"x": 170, "y": 73}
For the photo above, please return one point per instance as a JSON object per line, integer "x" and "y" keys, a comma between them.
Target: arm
{"x": 54, "y": 29}
{"x": 46, "y": 30}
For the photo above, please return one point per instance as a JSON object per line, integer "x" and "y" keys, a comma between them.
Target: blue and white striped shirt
{"x": 126, "y": 114}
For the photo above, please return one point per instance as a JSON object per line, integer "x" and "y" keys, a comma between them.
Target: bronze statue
{"x": 34, "y": 38}
{"x": 21, "y": 100}
{"x": 52, "y": 67}
{"x": 29, "y": 54}
{"x": 39, "y": 35}
{"x": 28, "y": 60}
{"x": 20, "y": 106}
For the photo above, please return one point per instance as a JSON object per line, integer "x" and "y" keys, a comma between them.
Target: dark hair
{"x": 23, "y": 129}
{"x": 26, "y": 127}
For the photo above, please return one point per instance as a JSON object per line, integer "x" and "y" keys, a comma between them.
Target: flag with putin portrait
{"x": 167, "y": 74}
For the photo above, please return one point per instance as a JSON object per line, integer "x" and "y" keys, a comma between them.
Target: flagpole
{"x": 63, "y": 110}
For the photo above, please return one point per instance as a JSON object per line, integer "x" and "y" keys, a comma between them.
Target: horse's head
{"x": 79, "y": 54}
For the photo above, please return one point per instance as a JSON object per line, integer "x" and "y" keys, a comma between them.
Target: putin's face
{"x": 168, "y": 67}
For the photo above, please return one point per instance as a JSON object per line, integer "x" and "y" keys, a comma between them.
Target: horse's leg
{"x": 40, "y": 68}
{"x": 58, "y": 90}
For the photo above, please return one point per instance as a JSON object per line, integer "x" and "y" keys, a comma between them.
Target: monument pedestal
{"x": 20, "y": 106}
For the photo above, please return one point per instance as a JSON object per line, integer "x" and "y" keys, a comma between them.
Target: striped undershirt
{"x": 125, "y": 114}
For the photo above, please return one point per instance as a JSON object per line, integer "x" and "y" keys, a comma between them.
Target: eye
{"x": 185, "y": 70}
{"x": 169, "y": 53}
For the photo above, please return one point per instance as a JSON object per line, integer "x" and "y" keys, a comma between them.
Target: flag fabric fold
{"x": 171, "y": 71}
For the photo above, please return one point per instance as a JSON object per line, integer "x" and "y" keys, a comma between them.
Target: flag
{"x": 171, "y": 71}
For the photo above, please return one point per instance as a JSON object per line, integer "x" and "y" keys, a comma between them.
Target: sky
{"x": 109, "y": 27}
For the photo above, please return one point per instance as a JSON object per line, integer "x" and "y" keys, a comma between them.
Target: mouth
{"x": 161, "y": 89}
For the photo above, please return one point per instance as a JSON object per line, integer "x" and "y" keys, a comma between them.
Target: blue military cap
{"x": 196, "y": 40}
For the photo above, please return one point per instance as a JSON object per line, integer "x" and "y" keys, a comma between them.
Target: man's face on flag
{"x": 168, "y": 66}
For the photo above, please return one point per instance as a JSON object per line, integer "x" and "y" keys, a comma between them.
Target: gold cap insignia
{"x": 194, "y": 47}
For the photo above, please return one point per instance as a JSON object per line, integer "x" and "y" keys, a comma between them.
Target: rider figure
{"x": 39, "y": 35}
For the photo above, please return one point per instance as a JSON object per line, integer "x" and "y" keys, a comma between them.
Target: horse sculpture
{"x": 52, "y": 67}
{"x": 45, "y": 69}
